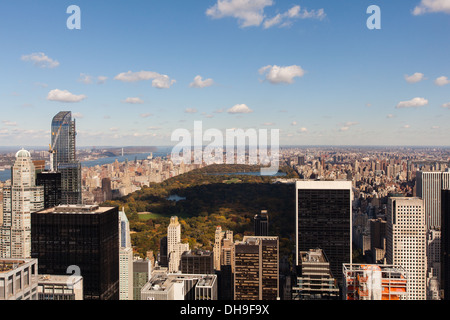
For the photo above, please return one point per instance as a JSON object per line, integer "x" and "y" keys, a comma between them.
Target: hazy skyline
{"x": 138, "y": 70}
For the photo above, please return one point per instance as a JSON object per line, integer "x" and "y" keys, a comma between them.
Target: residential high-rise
{"x": 174, "y": 246}
{"x": 256, "y": 270}
{"x": 63, "y": 156}
{"x": 222, "y": 251}
{"x": 261, "y": 222}
{"x": 406, "y": 242}
{"x": 315, "y": 281}
{"x": 125, "y": 259}
{"x": 19, "y": 200}
{"x": 429, "y": 186}
{"x": 324, "y": 221}
{"x": 71, "y": 238}
{"x": 445, "y": 244}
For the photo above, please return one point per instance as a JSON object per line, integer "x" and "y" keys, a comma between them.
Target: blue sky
{"x": 318, "y": 74}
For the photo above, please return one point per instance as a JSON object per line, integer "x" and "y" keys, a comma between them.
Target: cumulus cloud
{"x": 200, "y": 83}
{"x": 390, "y": 116}
{"x": 302, "y": 130}
{"x": 64, "y": 96}
{"x": 240, "y": 108}
{"x": 145, "y": 115}
{"x": 441, "y": 81}
{"x": 101, "y": 79}
{"x": 41, "y": 60}
{"x": 78, "y": 115}
{"x": 430, "y": 6}
{"x": 446, "y": 105}
{"x": 416, "y": 77}
{"x": 276, "y": 74}
{"x": 160, "y": 81}
{"x": 250, "y": 13}
{"x": 85, "y": 78}
{"x": 413, "y": 103}
{"x": 133, "y": 100}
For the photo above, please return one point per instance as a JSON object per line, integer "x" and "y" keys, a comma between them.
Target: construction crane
{"x": 51, "y": 149}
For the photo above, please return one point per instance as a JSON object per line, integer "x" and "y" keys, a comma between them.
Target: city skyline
{"x": 136, "y": 72}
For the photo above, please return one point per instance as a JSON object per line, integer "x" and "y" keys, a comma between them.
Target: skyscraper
{"x": 174, "y": 246}
{"x": 63, "y": 156}
{"x": 445, "y": 244}
{"x": 125, "y": 259}
{"x": 429, "y": 186}
{"x": 79, "y": 237}
{"x": 51, "y": 181}
{"x": 324, "y": 221}
{"x": 261, "y": 221}
{"x": 406, "y": 242}
{"x": 256, "y": 269}
{"x": 20, "y": 199}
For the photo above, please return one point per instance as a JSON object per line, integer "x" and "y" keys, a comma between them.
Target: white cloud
{"x": 41, "y": 60}
{"x": 413, "y": 103}
{"x": 133, "y": 100}
{"x": 285, "y": 19}
{"x": 160, "y": 81}
{"x": 85, "y": 78}
{"x": 406, "y": 126}
{"x": 190, "y": 110}
{"x": 248, "y": 12}
{"x": 276, "y": 74}
{"x": 268, "y": 124}
{"x": 442, "y": 81}
{"x": 302, "y": 130}
{"x": 344, "y": 129}
{"x": 294, "y": 123}
{"x": 435, "y": 127}
{"x": 101, "y": 79}
{"x": 64, "y": 96}
{"x": 390, "y": 116}
{"x": 416, "y": 77}
{"x": 78, "y": 115}
{"x": 429, "y": 6}
{"x": 351, "y": 124}
{"x": 145, "y": 115}
{"x": 163, "y": 82}
{"x": 240, "y": 108}
{"x": 200, "y": 83}
{"x": 446, "y": 105}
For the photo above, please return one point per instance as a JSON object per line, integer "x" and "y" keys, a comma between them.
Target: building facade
{"x": 125, "y": 259}
{"x": 19, "y": 200}
{"x": 256, "y": 269}
{"x": 18, "y": 279}
{"x": 174, "y": 246}
{"x": 324, "y": 221}
{"x": 82, "y": 238}
{"x": 406, "y": 242}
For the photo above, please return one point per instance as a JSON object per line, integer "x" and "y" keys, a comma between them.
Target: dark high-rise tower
{"x": 324, "y": 221}
{"x": 63, "y": 152}
{"x": 445, "y": 243}
{"x": 80, "y": 237}
{"x": 261, "y": 222}
{"x": 51, "y": 181}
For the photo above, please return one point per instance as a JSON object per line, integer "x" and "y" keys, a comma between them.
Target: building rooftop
{"x": 59, "y": 279}
{"x": 76, "y": 209}
{"x": 7, "y": 265}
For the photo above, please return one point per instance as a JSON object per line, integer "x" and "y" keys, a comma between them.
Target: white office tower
{"x": 19, "y": 200}
{"x": 429, "y": 186}
{"x": 406, "y": 242}
{"x": 174, "y": 246}
{"x": 125, "y": 259}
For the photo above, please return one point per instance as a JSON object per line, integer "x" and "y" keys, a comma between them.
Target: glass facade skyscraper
{"x": 63, "y": 147}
